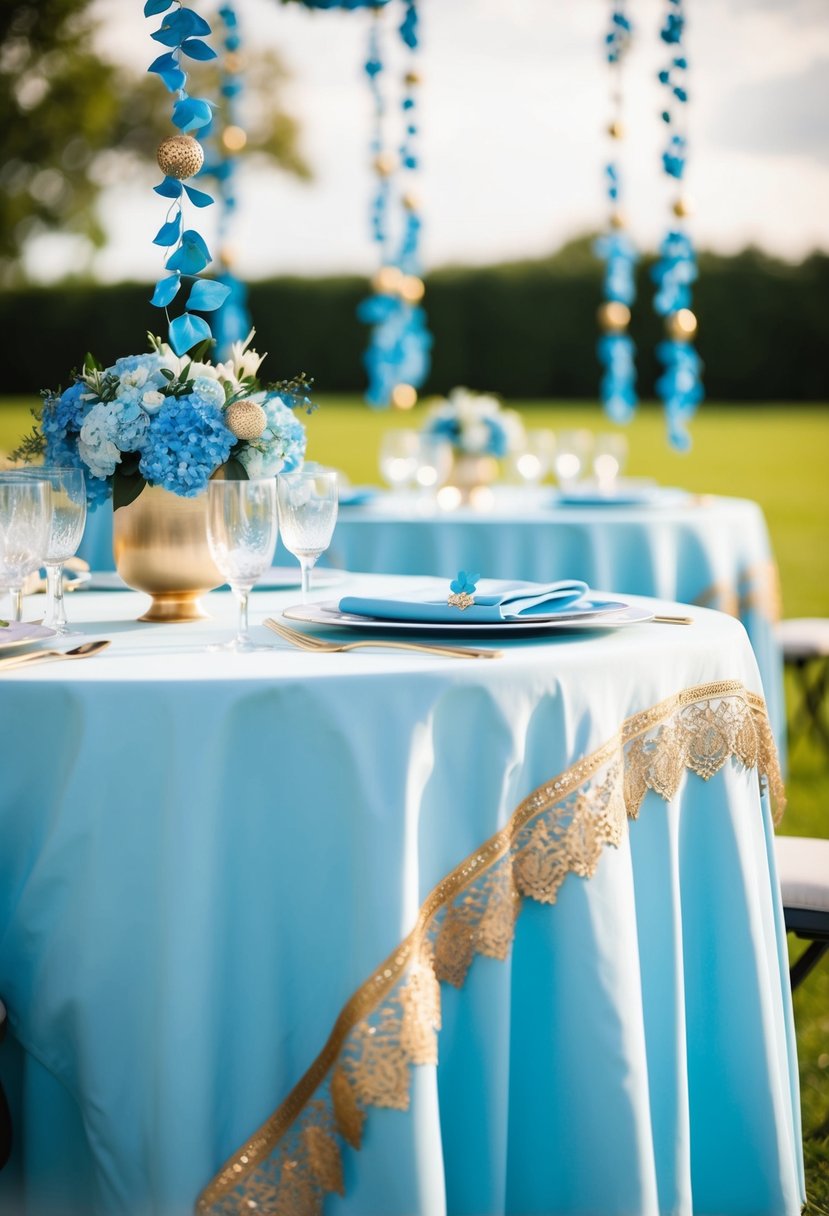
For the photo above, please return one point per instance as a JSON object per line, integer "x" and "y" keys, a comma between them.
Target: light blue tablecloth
{"x": 709, "y": 551}
{"x": 204, "y": 855}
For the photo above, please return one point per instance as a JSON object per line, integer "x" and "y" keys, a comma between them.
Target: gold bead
{"x": 682, "y": 208}
{"x": 227, "y": 255}
{"x": 232, "y": 63}
{"x": 234, "y": 139}
{"x": 246, "y": 420}
{"x": 412, "y": 78}
{"x": 180, "y": 156}
{"x": 404, "y": 396}
{"x": 616, "y": 130}
{"x": 411, "y": 289}
{"x": 613, "y": 316}
{"x": 410, "y": 201}
{"x": 387, "y": 280}
{"x": 384, "y": 164}
{"x": 617, "y": 220}
{"x": 681, "y": 326}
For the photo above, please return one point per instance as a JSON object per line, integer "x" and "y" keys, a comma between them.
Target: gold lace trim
{"x": 391, "y": 1022}
{"x": 757, "y": 590}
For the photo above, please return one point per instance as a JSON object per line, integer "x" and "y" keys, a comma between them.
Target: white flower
{"x": 152, "y": 401}
{"x": 242, "y": 364}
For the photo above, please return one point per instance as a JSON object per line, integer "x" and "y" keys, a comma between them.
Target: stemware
{"x": 572, "y": 451}
{"x": 66, "y": 525}
{"x": 609, "y": 455}
{"x": 535, "y": 461}
{"x": 398, "y": 458}
{"x": 25, "y": 505}
{"x": 307, "y": 514}
{"x": 241, "y": 534}
{"x": 434, "y": 461}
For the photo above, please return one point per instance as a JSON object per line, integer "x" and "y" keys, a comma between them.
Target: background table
{"x": 203, "y": 856}
{"x": 710, "y": 551}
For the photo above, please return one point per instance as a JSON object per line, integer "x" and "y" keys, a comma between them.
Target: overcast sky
{"x": 514, "y": 106}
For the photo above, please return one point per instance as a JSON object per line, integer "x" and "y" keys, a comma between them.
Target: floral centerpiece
{"x": 475, "y": 424}
{"x": 172, "y": 421}
{"x": 151, "y": 431}
{"x": 480, "y": 431}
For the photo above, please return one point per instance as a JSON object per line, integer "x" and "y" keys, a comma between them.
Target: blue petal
{"x": 456, "y": 586}
{"x": 191, "y": 113}
{"x": 169, "y": 188}
{"x": 181, "y": 24}
{"x": 186, "y": 331}
{"x": 199, "y": 198}
{"x": 166, "y": 291}
{"x": 196, "y": 49}
{"x": 192, "y": 254}
{"x": 166, "y": 67}
{"x": 168, "y": 233}
{"x": 152, "y": 7}
{"x": 207, "y": 295}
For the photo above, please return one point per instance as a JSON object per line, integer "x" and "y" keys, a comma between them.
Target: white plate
{"x": 21, "y": 633}
{"x": 632, "y": 493}
{"x": 329, "y": 614}
{"x": 278, "y": 578}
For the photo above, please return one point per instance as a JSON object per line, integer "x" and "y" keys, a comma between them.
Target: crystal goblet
{"x": 241, "y": 534}
{"x": 307, "y": 515}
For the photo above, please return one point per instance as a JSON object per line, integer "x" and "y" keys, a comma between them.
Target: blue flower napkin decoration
{"x": 462, "y": 590}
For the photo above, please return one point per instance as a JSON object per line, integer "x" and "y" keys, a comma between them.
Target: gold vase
{"x": 469, "y": 473}
{"x": 159, "y": 542}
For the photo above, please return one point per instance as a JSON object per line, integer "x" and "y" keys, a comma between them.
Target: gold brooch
{"x": 461, "y": 599}
{"x": 460, "y": 590}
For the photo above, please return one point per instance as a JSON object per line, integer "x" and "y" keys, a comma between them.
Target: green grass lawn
{"x": 777, "y": 456}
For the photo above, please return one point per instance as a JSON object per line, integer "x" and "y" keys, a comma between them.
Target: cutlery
{"x": 85, "y": 651}
{"x": 673, "y": 620}
{"x": 307, "y": 641}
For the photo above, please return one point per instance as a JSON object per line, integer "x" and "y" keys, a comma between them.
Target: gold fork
{"x": 307, "y": 641}
{"x": 84, "y": 651}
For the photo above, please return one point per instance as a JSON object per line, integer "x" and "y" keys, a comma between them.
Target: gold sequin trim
{"x": 391, "y": 1023}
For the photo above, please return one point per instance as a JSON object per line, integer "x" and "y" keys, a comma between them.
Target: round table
{"x": 230, "y": 885}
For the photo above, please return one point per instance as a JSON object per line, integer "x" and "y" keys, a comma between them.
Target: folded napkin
{"x": 496, "y": 600}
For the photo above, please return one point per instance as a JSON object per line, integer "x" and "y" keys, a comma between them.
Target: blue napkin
{"x": 496, "y": 600}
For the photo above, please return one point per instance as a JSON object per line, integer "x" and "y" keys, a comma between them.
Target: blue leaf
{"x": 168, "y": 233}
{"x": 196, "y": 49}
{"x": 152, "y": 7}
{"x": 166, "y": 291}
{"x": 199, "y": 198}
{"x": 207, "y": 295}
{"x": 181, "y": 24}
{"x": 186, "y": 331}
{"x": 192, "y": 254}
{"x": 191, "y": 113}
{"x": 169, "y": 188}
{"x": 166, "y": 67}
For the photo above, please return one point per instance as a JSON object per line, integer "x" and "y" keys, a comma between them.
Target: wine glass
{"x": 398, "y": 457}
{"x": 609, "y": 456}
{"x": 68, "y": 518}
{"x": 25, "y": 507}
{"x": 241, "y": 535}
{"x": 307, "y": 514}
{"x": 572, "y": 451}
{"x": 434, "y": 461}
{"x": 535, "y": 461}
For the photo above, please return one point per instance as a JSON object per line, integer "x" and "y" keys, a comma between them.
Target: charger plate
{"x": 21, "y": 633}
{"x": 607, "y": 617}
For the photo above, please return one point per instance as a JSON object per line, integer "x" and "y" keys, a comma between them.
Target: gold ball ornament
{"x": 614, "y": 317}
{"x": 410, "y": 201}
{"x": 180, "y": 156}
{"x": 233, "y": 63}
{"x": 387, "y": 280}
{"x": 681, "y": 326}
{"x": 383, "y": 164}
{"x": 234, "y": 139}
{"x": 412, "y": 78}
{"x": 246, "y": 420}
{"x": 616, "y": 130}
{"x": 404, "y": 396}
{"x": 412, "y": 289}
{"x": 682, "y": 208}
{"x": 617, "y": 220}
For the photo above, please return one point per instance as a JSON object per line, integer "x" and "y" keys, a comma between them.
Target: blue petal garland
{"x": 183, "y": 31}
{"x": 616, "y": 350}
{"x": 680, "y": 385}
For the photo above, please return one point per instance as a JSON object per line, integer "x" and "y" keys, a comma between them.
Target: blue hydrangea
{"x": 282, "y": 445}
{"x": 64, "y": 415}
{"x": 209, "y": 390}
{"x": 186, "y": 442}
{"x": 152, "y": 362}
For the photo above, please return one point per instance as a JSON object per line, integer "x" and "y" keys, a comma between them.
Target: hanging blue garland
{"x": 232, "y": 322}
{"x": 397, "y": 359}
{"x": 616, "y": 350}
{"x": 680, "y": 385}
{"x": 180, "y": 157}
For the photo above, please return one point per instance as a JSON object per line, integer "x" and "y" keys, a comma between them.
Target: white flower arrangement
{"x": 476, "y": 424}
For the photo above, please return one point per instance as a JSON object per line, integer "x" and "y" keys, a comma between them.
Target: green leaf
{"x": 233, "y": 470}
{"x": 4, "y": 624}
{"x": 91, "y": 364}
{"x": 199, "y": 353}
{"x": 167, "y": 374}
{"x": 126, "y": 488}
